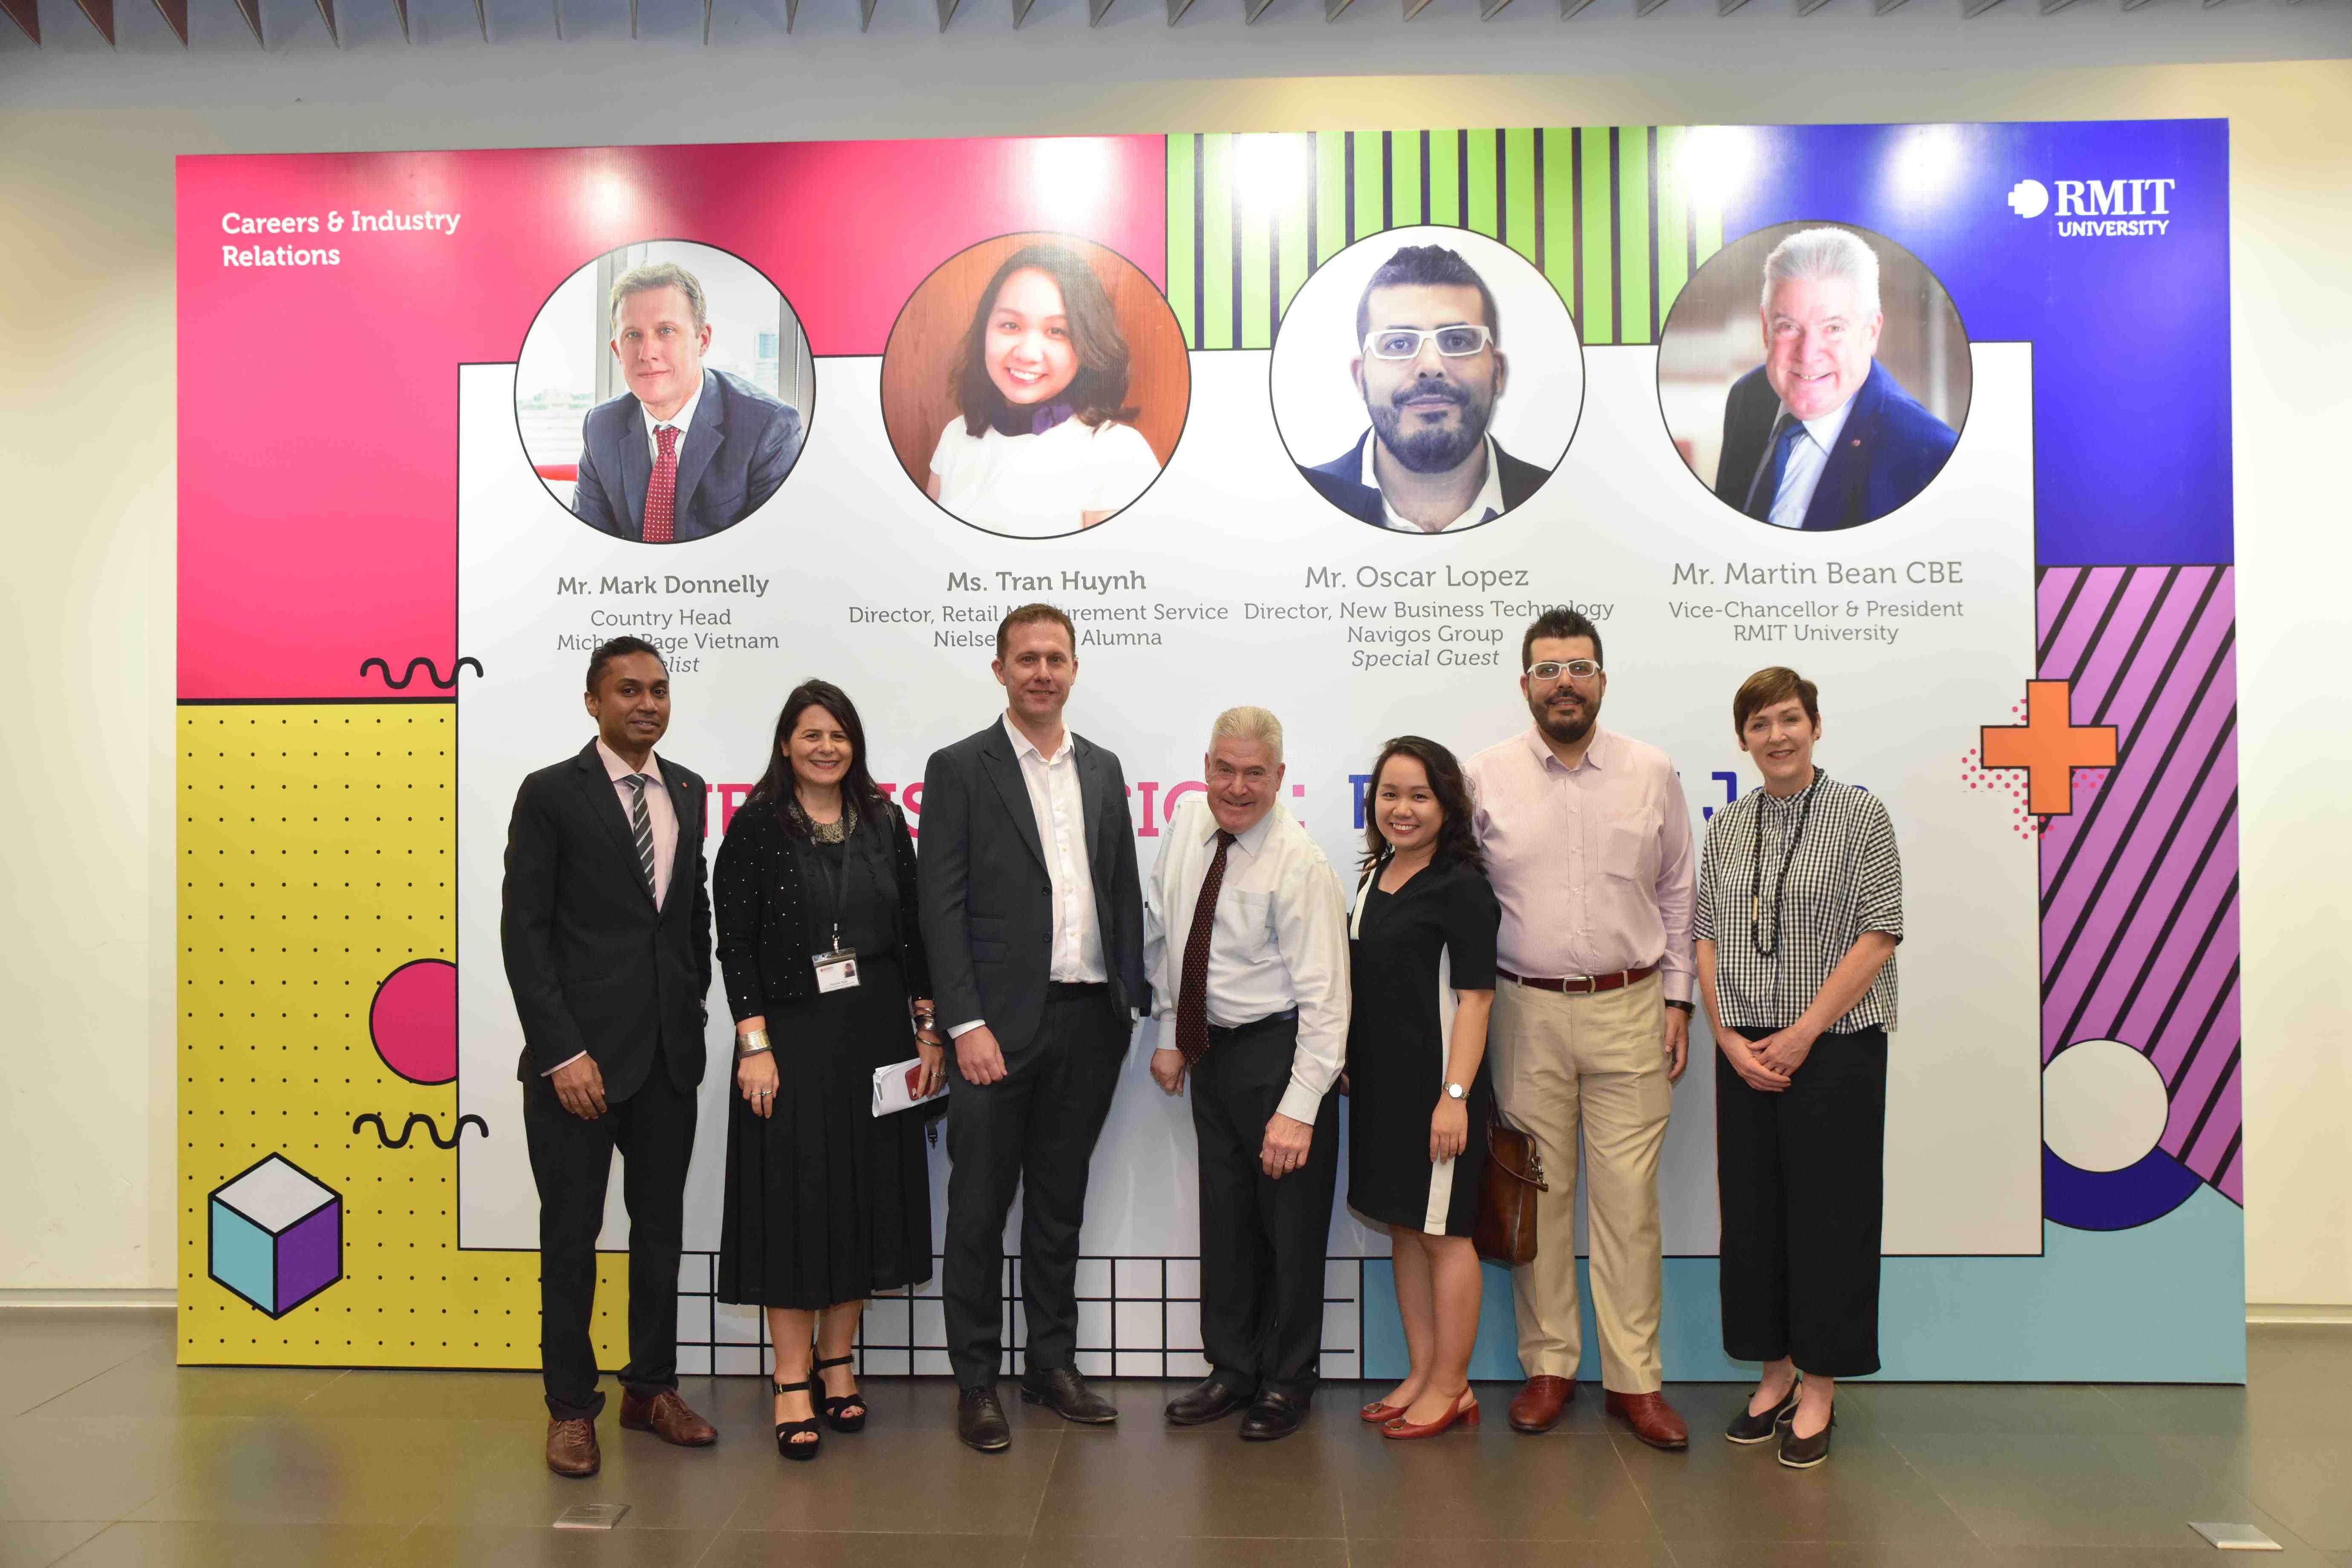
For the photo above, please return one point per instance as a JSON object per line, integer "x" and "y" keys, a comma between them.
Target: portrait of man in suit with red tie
{"x": 688, "y": 451}
{"x": 1821, "y": 435}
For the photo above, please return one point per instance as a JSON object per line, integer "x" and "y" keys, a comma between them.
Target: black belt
{"x": 1223, "y": 1031}
{"x": 1071, "y": 990}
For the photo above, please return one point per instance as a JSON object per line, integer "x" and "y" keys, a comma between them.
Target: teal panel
{"x": 244, "y": 1259}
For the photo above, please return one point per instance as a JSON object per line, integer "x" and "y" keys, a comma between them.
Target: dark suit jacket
{"x": 988, "y": 902}
{"x": 738, "y": 450}
{"x": 1341, "y": 481}
{"x": 1889, "y": 449}
{"x": 594, "y": 966}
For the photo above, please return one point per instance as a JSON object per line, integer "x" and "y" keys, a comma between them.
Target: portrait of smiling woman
{"x": 1034, "y": 385}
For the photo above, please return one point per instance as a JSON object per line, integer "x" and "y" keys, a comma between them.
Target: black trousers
{"x": 1032, "y": 1132}
{"x": 570, "y": 1161}
{"x": 1801, "y": 1178}
{"x": 1263, "y": 1241}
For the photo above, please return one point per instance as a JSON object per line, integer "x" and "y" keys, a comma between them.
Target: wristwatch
{"x": 1456, "y": 1091}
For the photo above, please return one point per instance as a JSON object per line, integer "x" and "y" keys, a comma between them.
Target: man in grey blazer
{"x": 688, "y": 451}
{"x": 1032, "y": 913}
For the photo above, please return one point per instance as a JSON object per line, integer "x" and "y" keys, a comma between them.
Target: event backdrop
{"x": 385, "y": 610}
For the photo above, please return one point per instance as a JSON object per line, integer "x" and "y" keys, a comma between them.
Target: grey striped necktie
{"x": 641, "y": 825}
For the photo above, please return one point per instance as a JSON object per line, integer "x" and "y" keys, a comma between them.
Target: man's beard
{"x": 1566, "y": 731}
{"x": 1431, "y": 449}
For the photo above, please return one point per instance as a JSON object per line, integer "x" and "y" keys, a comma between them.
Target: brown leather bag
{"x": 1505, "y": 1228}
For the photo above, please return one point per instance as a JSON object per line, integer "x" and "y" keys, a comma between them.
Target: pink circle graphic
{"x": 413, "y": 1020}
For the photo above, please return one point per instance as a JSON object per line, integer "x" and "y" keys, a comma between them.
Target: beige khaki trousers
{"x": 1598, "y": 1064}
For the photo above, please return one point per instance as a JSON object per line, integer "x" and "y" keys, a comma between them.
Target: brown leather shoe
{"x": 667, "y": 1416}
{"x": 1537, "y": 1407}
{"x": 572, "y": 1449}
{"x": 1652, "y": 1418}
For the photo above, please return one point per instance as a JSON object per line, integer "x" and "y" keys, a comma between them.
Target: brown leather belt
{"x": 1580, "y": 984}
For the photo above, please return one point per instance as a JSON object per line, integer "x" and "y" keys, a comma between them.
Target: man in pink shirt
{"x": 1588, "y": 844}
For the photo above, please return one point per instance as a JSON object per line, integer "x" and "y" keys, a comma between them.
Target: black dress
{"x": 1410, "y": 951}
{"x": 825, "y": 1201}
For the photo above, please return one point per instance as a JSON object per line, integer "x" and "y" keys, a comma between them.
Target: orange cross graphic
{"x": 2049, "y": 746}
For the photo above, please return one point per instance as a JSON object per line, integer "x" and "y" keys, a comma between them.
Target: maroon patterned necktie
{"x": 1192, "y": 991}
{"x": 661, "y": 495}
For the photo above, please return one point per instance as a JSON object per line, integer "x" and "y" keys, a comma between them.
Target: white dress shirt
{"x": 661, "y": 816}
{"x": 1279, "y": 940}
{"x": 1485, "y": 508}
{"x": 1061, "y": 811}
{"x": 683, "y": 419}
{"x": 1801, "y": 474}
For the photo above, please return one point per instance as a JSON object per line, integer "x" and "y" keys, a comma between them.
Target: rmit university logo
{"x": 2098, "y": 208}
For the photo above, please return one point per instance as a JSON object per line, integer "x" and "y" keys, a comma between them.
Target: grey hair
{"x": 1820, "y": 253}
{"x": 659, "y": 275}
{"x": 1247, "y": 724}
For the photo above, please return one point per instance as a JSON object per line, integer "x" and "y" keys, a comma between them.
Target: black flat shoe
{"x": 1065, "y": 1393}
{"x": 1273, "y": 1414}
{"x": 1206, "y": 1401}
{"x": 1804, "y": 1453}
{"x": 1747, "y": 1428}
{"x": 979, "y": 1421}
{"x": 788, "y": 1432}
{"x": 846, "y": 1412}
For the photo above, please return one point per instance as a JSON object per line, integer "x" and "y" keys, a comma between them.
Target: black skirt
{"x": 826, "y": 1202}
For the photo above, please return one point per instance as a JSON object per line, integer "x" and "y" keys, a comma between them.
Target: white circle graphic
{"x": 2103, "y": 1106}
{"x": 2029, "y": 198}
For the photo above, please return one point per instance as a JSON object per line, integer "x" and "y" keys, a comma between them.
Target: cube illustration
{"x": 277, "y": 1234}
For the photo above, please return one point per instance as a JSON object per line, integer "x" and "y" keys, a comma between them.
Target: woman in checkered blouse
{"x": 1800, "y": 910}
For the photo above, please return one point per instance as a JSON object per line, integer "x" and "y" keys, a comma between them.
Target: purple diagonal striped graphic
{"x": 2139, "y": 886}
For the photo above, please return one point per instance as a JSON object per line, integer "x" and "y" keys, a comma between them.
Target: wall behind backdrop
{"x": 92, "y": 1149}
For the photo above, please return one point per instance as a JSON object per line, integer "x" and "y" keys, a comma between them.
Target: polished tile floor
{"x": 112, "y": 1455}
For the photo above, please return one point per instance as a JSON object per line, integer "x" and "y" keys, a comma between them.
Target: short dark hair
{"x": 1770, "y": 689}
{"x": 1559, "y": 621}
{"x": 619, "y": 648}
{"x": 1030, "y": 615}
{"x": 1457, "y": 838}
{"x": 1098, "y": 391}
{"x": 1427, "y": 264}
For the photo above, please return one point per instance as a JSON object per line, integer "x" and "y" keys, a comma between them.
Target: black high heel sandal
{"x": 837, "y": 1410}
{"x": 788, "y": 1430}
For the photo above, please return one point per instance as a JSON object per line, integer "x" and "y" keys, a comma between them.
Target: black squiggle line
{"x": 410, "y": 674}
{"x": 431, "y": 1129}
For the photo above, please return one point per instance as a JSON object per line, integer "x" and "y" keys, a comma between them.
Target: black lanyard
{"x": 1756, "y": 875}
{"x": 837, "y": 878}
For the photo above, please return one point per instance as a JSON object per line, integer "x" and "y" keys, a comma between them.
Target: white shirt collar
{"x": 1022, "y": 743}
{"x": 683, "y": 418}
{"x": 1253, "y": 843}
{"x": 1487, "y": 504}
{"x": 616, "y": 770}
{"x": 1826, "y": 429}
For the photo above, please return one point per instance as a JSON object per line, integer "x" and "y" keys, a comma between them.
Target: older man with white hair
{"x": 1820, "y": 435}
{"x": 1245, "y": 945}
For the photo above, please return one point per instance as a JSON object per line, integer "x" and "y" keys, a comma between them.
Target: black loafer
{"x": 979, "y": 1421}
{"x": 1064, "y": 1392}
{"x": 1273, "y": 1414}
{"x": 1209, "y": 1400}
{"x": 1747, "y": 1429}
{"x": 1804, "y": 1453}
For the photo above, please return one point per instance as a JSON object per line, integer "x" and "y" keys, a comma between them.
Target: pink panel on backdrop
{"x": 318, "y": 404}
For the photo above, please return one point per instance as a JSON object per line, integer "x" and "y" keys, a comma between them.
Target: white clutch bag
{"x": 894, "y": 1086}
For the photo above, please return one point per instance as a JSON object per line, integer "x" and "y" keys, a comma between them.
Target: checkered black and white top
{"x": 1845, "y": 878}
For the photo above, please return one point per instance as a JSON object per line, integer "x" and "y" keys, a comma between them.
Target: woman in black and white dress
{"x": 1421, "y": 959}
{"x": 1800, "y": 910}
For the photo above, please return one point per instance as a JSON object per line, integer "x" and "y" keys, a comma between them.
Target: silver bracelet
{"x": 751, "y": 1043}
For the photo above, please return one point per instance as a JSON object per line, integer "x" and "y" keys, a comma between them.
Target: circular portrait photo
{"x": 1427, "y": 380}
{"x": 1813, "y": 376}
{"x": 663, "y": 391}
{"x": 1034, "y": 385}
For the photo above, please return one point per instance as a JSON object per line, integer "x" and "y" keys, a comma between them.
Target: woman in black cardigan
{"x": 826, "y": 1203}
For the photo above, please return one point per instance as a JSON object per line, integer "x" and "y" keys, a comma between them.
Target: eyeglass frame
{"x": 1561, "y": 666}
{"x": 1421, "y": 335}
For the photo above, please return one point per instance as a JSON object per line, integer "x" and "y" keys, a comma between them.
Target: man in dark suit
{"x": 605, "y": 924}
{"x": 1821, "y": 435}
{"x": 687, "y": 452}
{"x": 1033, "y": 912}
{"x": 1430, "y": 367}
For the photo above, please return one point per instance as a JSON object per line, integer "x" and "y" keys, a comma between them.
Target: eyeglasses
{"x": 1405, "y": 342}
{"x": 1553, "y": 669}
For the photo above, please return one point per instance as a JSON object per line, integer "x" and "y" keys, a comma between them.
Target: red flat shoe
{"x": 1376, "y": 1414}
{"x": 1464, "y": 1410}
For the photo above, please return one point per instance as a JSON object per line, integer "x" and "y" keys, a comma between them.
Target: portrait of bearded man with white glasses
{"x": 1430, "y": 366}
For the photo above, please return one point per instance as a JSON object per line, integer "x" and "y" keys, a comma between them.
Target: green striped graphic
{"x": 1614, "y": 216}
